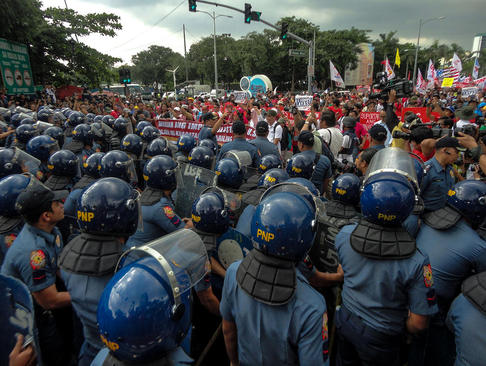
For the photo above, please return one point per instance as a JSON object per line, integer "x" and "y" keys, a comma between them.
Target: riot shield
{"x": 232, "y": 246}
{"x": 232, "y": 201}
{"x": 191, "y": 182}
{"x": 243, "y": 158}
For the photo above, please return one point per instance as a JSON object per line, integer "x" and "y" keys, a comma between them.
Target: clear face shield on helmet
{"x": 393, "y": 160}
{"x": 129, "y": 167}
{"x": 27, "y": 162}
{"x": 231, "y": 200}
{"x": 181, "y": 255}
{"x": 42, "y": 126}
{"x": 243, "y": 158}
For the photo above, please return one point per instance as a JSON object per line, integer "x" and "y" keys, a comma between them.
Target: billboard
{"x": 15, "y": 68}
{"x": 363, "y": 73}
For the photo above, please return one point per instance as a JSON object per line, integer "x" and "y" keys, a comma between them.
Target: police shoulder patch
{"x": 428, "y": 280}
{"x": 9, "y": 239}
{"x": 37, "y": 259}
{"x": 169, "y": 212}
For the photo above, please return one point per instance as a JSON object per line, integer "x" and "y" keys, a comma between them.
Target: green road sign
{"x": 297, "y": 53}
{"x": 15, "y": 68}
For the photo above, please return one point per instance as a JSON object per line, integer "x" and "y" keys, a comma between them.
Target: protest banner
{"x": 421, "y": 112}
{"x": 303, "y": 102}
{"x": 447, "y": 82}
{"x": 173, "y": 129}
{"x": 469, "y": 92}
{"x": 368, "y": 119}
{"x": 240, "y": 96}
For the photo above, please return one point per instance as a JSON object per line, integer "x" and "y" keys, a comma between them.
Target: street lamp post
{"x": 421, "y": 23}
{"x": 214, "y": 16}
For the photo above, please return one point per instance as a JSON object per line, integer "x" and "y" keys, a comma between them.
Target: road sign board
{"x": 15, "y": 68}
{"x": 297, "y": 53}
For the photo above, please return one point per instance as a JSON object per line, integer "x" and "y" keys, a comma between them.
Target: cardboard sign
{"x": 447, "y": 82}
{"x": 469, "y": 92}
{"x": 303, "y": 102}
{"x": 240, "y": 96}
{"x": 173, "y": 129}
{"x": 421, "y": 112}
{"x": 368, "y": 119}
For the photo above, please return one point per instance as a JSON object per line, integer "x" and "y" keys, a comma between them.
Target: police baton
{"x": 209, "y": 345}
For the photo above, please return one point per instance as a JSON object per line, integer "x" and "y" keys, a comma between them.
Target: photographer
{"x": 422, "y": 142}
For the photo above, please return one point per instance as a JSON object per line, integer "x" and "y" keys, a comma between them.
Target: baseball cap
{"x": 262, "y": 127}
{"x": 449, "y": 142}
{"x": 307, "y": 138}
{"x": 378, "y": 133}
{"x": 177, "y": 109}
{"x": 239, "y": 128}
{"x": 35, "y": 197}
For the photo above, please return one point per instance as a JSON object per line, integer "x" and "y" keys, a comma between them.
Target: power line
{"x": 156, "y": 23}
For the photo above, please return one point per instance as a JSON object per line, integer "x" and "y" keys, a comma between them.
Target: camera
{"x": 467, "y": 130}
{"x": 401, "y": 135}
{"x": 403, "y": 87}
{"x": 344, "y": 166}
{"x": 438, "y": 132}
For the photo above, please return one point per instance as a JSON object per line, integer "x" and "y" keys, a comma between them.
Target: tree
{"x": 56, "y": 55}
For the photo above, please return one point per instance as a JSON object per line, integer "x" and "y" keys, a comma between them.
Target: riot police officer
{"x": 239, "y": 143}
{"x": 388, "y": 284}
{"x": 309, "y": 164}
{"x": 33, "y": 258}
{"x": 455, "y": 250}
{"x": 270, "y": 312}
{"x": 201, "y": 156}
{"x": 63, "y": 166}
{"x": 185, "y": 144}
{"x": 261, "y": 142}
{"x": 118, "y": 164}
{"x": 107, "y": 215}
{"x": 158, "y": 213}
{"x": 42, "y": 147}
{"x": 230, "y": 174}
{"x": 10, "y": 220}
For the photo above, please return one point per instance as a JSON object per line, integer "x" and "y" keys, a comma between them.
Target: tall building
{"x": 479, "y": 44}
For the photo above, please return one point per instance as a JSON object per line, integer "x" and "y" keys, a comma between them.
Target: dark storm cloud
{"x": 463, "y": 18}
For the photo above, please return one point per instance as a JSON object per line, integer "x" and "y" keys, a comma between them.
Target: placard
{"x": 368, "y": 119}
{"x": 303, "y": 102}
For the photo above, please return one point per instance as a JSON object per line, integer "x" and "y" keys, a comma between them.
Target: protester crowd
{"x": 320, "y": 241}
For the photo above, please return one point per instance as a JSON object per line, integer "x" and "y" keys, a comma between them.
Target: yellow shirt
{"x": 398, "y": 142}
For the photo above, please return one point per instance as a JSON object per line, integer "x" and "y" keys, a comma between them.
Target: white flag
{"x": 475, "y": 72}
{"x": 335, "y": 76}
{"x": 456, "y": 62}
{"x": 388, "y": 69}
{"x": 421, "y": 83}
{"x": 431, "y": 73}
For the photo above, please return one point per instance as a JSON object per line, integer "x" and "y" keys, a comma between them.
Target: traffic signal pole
{"x": 310, "y": 44}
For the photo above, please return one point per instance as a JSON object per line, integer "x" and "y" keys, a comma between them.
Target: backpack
{"x": 321, "y": 147}
{"x": 286, "y": 141}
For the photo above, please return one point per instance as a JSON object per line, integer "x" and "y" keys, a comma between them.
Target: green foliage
{"x": 56, "y": 55}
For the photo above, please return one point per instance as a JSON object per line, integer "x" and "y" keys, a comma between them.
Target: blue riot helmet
{"x": 300, "y": 165}
{"x": 56, "y": 133}
{"x": 269, "y": 162}
{"x": 58, "y": 118}
{"x": 160, "y": 173}
{"x": 186, "y": 143}
{"x": 98, "y": 131}
{"x": 24, "y": 133}
{"x": 17, "y": 315}
{"x": 120, "y": 125}
{"x": 307, "y": 184}
{"x": 272, "y": 177}
{"x": 132, "y": 144}
{"x": 158, "y": 146}
{"x": 209, "y": 213}
{"x": 283, "y": 225}
{"x": 90, "y": 117}
{"x": 209, "y": 143}
{"x": 11, "y": 187}
{"x": 27, "y": 121}
{"x": 229, "y": 173}
{"x": 387, "y": 199}
{"x": 66, "y": 112}
{"x": 98, "y": 118}
{"x": 84, "y": 134}
{"x": 140, "y": 126}
{"x": 149, "y": 133}
{"x": 41, "y": 147}
{"x": 109, "y": 206}
{"x": 63, "y": 163}
{"x": 118, "y": 164}
{"x": 108, "y": 120}
{"x": 91, "y": 166}
{"x": 76, "y": 118}
{"x": 345, "y": 189}
{"x": 468, "y": 197}
{"x": 15, "y": 119}
{"x": 201, "y": 156}
{"x": 144, "y": 312}
{"x": 16, "y": 161}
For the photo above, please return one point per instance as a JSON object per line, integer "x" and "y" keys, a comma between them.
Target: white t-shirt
{"x": 461, "y": 123}
{"x": 333, "y": 137}
{"x": 275, "y": 132}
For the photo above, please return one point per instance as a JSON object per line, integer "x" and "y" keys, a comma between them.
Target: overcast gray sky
{"x": 143, "y": 25}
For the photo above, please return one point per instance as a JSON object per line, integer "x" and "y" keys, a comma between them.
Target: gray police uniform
{"x": 378, "y": 291}
{"x": 264, "y": 146}
{"x": 159, "y": 218}
{"x": 467, "y": 320}
{"x": 206, "y": 133}
{"x": 175, "y": 358}
{"x": 284, "y": 326}
{"x": 322, "y": 169}
{"x": 240, "y": 144}
{"x": 88, "y": 262}
{"x": 435, "y": 184}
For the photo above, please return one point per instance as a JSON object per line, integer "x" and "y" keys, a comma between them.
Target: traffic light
{"x": 255, "y": 15}
{"x": 285, "y": 29}
{"x": 124, "y": 75}
{"x": 247, "y": 13}
{"x": 128, "y": 76}
{"x": 192, "y": 5}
